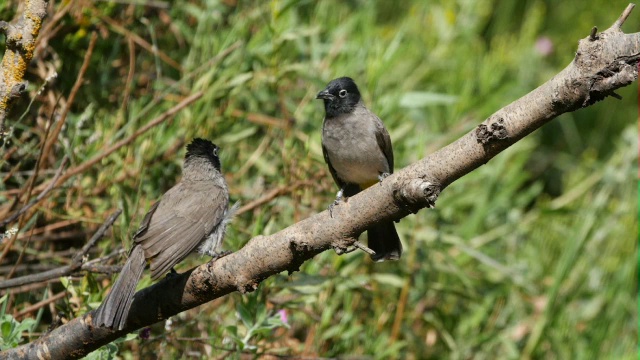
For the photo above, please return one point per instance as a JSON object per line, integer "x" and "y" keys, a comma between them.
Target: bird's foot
{"x": 338, "y": 200}
{"x": 383, "y": 176}
{"x": 218, "y": 255}
{"x": 215, "y": 256}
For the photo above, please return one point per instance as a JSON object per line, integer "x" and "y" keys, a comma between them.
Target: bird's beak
{"x": 324, "y": 95}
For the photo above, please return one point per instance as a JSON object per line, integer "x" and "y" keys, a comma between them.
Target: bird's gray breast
{"x": 353, "y": 150}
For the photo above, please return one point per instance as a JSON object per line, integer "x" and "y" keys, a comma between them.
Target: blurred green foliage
{"x": 529, "y": 256}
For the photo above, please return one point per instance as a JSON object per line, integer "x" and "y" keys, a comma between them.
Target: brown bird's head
{"x": 203, "y": 149}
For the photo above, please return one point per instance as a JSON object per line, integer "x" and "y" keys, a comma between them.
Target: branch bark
{"x": 603, "y": 63}
{"x": 21, "y": 43}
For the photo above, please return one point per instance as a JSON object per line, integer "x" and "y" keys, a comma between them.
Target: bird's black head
{"x": 201, "y": 148}
{"x": 340, "y": 97}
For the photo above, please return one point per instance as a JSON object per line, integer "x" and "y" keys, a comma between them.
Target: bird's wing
{"x": 144, "y": 225}
{"x": 333, "y": 172}
{"x": 384, "y": 141}
{"x": 186, "y": 214}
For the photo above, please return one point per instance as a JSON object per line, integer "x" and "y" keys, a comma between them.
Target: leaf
{"x": 244, "y": 315}
{"x": 389, "y": 279}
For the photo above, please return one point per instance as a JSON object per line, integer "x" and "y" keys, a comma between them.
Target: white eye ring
{"x": 342, "y": 93}
{"x": 215, "y": 152}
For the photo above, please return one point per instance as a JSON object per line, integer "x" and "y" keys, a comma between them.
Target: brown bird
{"x": 191, "y": 216}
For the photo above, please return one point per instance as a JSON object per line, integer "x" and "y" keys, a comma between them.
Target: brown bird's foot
{"x": 382, "y": 177}
{"x": 215, "y": 256}
{"x": 218, "y": 255}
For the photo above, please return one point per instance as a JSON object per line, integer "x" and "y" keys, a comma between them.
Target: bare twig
{"x": 66, "y": 270}
{"x": 128, "y": 83}
{"x": 140, "y": 41}
{"x": 72, "y": 95}
{"x": 623, "y": 17}
{"x": 38, "y": 198}
{"x": 52, "y": 27}
{"x": 272, "y": 194}
{"x": 164, "y": 116}
{"x": 364, "y": 248}
{"x": 40, "y": 304}
{"x": 26, "y": 208}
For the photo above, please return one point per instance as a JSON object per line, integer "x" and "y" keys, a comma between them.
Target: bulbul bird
{"x": 192, "y": 215}
{"x": 357, "y": 148}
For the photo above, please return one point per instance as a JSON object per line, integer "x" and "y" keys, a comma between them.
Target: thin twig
{"x": 623, "y": 17}
{"x": 48, "y": 31}
{"x": 127, "y": 85}
{"x": 66, "y": 270}
{"x": 97, "y": 236}
{"x": 40, "y": 304}
{"x": 72, "y": 94}
{"x": 364, "y": 248}
{"x": 272, "y": 194}
{"x": 29, "y": 188}
{"x": 140, "y": 41}
{"x": 21, "y": 255}
{"x": 101, "y": 269}
{"x": 40, "y": 196}
{"x": 164, "y": 116}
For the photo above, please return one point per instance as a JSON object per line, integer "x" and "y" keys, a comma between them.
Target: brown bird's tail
{"x": 384, "y": 240}
{"x": 114, "y": 309}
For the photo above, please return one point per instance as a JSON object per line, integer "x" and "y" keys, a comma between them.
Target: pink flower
{"x": 544, "y": 46}
{"x": 283, "y": 316}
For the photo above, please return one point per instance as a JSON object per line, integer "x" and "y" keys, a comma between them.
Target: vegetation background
{"x": 532, "y": 255}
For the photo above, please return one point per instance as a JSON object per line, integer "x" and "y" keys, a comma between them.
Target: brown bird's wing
{"x": 178, "y": 223}
{"x": 144, "y": 225}
{"x": 384, "y": 141}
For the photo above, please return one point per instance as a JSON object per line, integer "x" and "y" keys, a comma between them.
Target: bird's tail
{"x": 384, "y": 240}
{"x": 114, "y": 309}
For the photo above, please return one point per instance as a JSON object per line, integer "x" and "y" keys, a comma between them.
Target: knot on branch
{"x": 418, "y": 193}
{"x": 343, "y": 245}
{"x": 622, "y": 72}
{"x": 298, "y": 251}
{"x": 493, "y": 131}
{"x": 18, "y": 89}
{"x": 244, "y": 285}
{"x": 11, "y": 32}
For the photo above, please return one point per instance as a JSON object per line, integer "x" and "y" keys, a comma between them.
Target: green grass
{"x": 531, "y": 255}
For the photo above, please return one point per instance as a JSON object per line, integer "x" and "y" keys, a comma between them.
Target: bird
{"x": 191, "y": 216}
{"x": 357, "y": 148}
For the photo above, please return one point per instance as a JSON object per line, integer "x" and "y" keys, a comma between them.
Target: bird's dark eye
{"x": 215, "y": 151}
{"x": 342, "y": 93}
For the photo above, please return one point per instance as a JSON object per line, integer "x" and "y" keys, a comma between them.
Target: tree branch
{"x": 20, "y": 44}
{"x": 601, "y": 66}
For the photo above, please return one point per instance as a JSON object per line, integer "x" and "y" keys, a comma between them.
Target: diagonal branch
{"x": 601, "y": 66}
